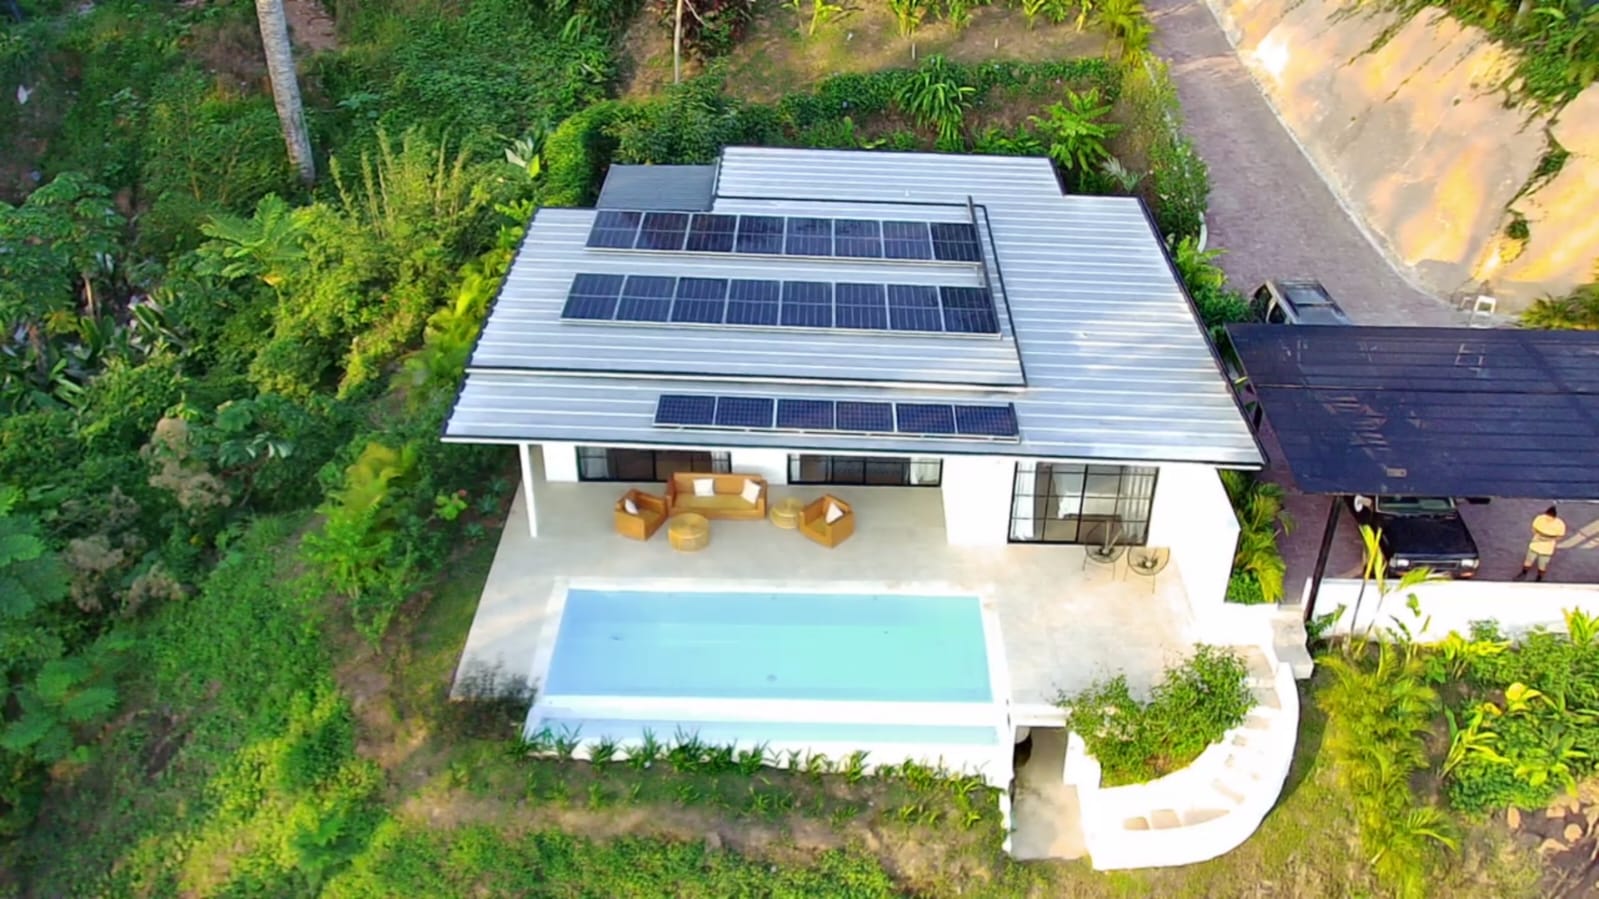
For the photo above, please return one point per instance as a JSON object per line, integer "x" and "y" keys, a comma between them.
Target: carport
{"x": 1457, "y": 412}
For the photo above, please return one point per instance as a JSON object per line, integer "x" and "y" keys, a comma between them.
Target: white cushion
{"x": 629, "y": 506}
{"x": 834, "y": 513}
{"x": 751, "y": 491}
{"x": 704, "y": 486}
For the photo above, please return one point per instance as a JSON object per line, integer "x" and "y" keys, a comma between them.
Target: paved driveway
{"x": 1275, "y": 217}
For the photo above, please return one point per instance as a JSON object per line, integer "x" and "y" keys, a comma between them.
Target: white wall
{"x": 768, "y": 463}
{"x": 1193, "y": 517}
{"x": 560, "y": 461}
{"x": 977, "y": 500}
{"x": 1453, "y": 605}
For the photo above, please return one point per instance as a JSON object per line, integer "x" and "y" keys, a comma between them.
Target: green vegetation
{"x": 1258, "y": 566}
{"x": 1193, "y": 706}
{"x": 1578, "y": 310}
{"x": 1558, "y": 40}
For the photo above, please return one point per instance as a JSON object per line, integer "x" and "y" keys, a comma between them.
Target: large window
{"x": 598, "y": 463}
{"x": 865, "y": 471}
{"x": 1054, "y": 502}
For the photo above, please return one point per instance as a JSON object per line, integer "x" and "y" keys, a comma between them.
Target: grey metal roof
{"x": 1100, "y": 350}
{"x": 679, "y": 187}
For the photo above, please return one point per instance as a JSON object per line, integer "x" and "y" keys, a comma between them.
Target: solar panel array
{"x": 948, "y": 421}
{"x": 777, "y": 235}
{"x": 785, "y": 304}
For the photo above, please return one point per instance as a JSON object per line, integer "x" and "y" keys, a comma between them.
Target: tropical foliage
{"x": 1258, "y": 565}
{"x": 1074, "y": 133}
{"x": 1558, "y": 40}
{"x": 1578, "y": 311}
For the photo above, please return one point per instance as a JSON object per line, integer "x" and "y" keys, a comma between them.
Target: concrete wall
{"x": 560, "y": 462}
{"x": 1415, "y": 136}
{"x": 1193, "y": 517}
{"x": 977, "y": 500}
{"x": 1453, "y": 605}
{"x": 769, "y": 464}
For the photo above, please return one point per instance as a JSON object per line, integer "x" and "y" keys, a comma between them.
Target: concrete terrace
{"x": 1062, "y": 626}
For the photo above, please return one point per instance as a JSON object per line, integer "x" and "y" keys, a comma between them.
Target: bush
{"x": 1244, "y": 588}
{"x": 576, "y": 154}
{"x": 1178, "y": 187}
{"x": 710, "y": 27}
{"x": 1194, "y": 706}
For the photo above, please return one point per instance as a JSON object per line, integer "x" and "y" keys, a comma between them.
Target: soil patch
{"x": 310, "y": 26}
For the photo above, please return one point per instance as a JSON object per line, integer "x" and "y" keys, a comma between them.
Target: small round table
{"x": 786, "y": 512}
{"x": 688, "y": 532}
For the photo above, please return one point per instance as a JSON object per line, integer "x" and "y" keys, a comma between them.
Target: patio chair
{"x": 1148, "y": 562}
{"x": 639, "y": 515}
{"x": 1108, "y": 551}
{"x": 829, "y": 521}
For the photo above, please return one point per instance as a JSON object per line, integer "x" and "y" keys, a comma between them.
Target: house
{"x": 994, "y": 376}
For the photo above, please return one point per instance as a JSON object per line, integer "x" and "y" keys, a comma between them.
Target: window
{"x": 598, "y": 463}
{"x": 1054, "y": 502}
{"x": 865, "y": 471}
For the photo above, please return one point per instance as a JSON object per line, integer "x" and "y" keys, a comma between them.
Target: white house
{"x": 993, "y": 374}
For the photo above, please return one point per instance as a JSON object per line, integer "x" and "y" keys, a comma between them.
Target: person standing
{"x": 1546, "y": 529}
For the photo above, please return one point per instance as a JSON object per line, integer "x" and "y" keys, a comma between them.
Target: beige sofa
{"x": 727, "y": 500}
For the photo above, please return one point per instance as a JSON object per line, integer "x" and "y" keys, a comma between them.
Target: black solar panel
{"x": 986, "y": 421}
{"x": 809, "y": 237}
{"x": 858, "y": 238}
{"x": 907, "y": 240}
{"x": 662, "y": 231}
{"x": 614, "y": 230}
{"x": 969, "y": 310}
{"x": 865, "y": 417}
{"x": 685, "y": 410}
{"x": 646, "y": 298}
{"x": 807, "y": 304}
{"x": 914, "y": 307}
{"x": 863, "y": 306}
{"x": 711, "y": 233}
{"x": 743, "y": 412}
{"x": 593, "y": 297}
{"x": 955, "y": 242}
{"x": 753, "y": 302}
{"x": 924, "y": 418}
{"x": 700, "y": 300}
{"x": 760, "y": 234}
{"x": 805, "y": 415}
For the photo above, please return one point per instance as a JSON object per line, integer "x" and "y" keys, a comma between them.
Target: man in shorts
{"x": 1546, "y": 530}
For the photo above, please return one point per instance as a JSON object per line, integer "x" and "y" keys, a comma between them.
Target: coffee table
{"x": 688, "y": 532}
{"x": 786, "y": 512}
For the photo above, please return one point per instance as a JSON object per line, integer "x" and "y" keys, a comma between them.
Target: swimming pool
{"x": 898, "y": 676}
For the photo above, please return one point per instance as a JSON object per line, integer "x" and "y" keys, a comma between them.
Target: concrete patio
{"x": 1062, "y": 625}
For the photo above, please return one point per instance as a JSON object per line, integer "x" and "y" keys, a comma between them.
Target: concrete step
{"x": 1165, "y": 819}
{"x": 1201, "y": 815}
{"x": 1136, "y": 823}
{"x": 1289, "y": 641}
{"x": 1227, "y": 791}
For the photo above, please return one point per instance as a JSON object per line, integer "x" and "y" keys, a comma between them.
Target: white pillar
{"x": 977, "y": 500}
{"x": 560, "y": 462}
{"x": 526, "y": 454}
{"x": 768, "y": 463}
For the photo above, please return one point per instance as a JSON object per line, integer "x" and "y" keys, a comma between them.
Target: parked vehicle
{"x": 1296, "y": 301}
{"x": 1420, "y": 532}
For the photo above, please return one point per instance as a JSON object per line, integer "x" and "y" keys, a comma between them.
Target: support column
{"x": 526, "y": 455}
{"x": 1321, "y": 556}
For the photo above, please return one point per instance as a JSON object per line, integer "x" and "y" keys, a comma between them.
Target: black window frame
{"x": 1130, "y": 496}
{"x": 660, "y": 462}
{"x": 852, "y": 471}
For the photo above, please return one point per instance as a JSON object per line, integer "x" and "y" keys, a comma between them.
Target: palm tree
{"x": 285, "y": 86}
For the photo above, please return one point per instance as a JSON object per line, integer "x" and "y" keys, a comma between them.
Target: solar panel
{"x": 711, "y": 233}
{"x": 858, "y": 238}
{"x": 685, "y": 410}
{"x": 700, "y": 300}
{"x": 907, "y": 240}
{"x": 924, "y": 418}
{"x": 865, "y": 417}
{"x": 614, "y": 230}
{"x": 646, "y": 298}
{"x": 807, "y": 304}
{"x": 986, "y": 421}
{"x": 913, "y": 307}
{"x": 593, "y": 296}
{"x": 955, "y": 242}
{"x": 743, "y": 412}
{"x": 809, "y": 237}
{"x": 863, "y": 306}
{"x": 969, "y": 310}
{"x": 753, "y": 302}
{"x": 805, "y": 415}
{"x": 662, "y": 231}
{"x": 759, "y": 234}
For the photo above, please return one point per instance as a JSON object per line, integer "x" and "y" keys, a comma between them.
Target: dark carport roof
{"x": 1430, "y": 411}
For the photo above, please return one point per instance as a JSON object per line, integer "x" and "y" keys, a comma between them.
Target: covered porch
{"x": 1063, "y": 622}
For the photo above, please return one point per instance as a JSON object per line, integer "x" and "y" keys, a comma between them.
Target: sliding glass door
{"x": 1057, "y": 502}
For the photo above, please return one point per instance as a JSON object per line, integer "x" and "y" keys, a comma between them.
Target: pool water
{"x": 807, "y": 646}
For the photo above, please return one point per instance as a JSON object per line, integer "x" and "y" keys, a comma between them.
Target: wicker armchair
{"x": 643, "y": 524}
{"x": 814, "y": 523}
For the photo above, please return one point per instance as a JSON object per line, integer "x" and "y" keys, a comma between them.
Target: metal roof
{"x": 1430, "y": 411}
{"x": 1100, "y": 350}
{"x": 677, "y": 187}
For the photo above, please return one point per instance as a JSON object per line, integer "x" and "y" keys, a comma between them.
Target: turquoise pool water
{"x": 810, "y": 646}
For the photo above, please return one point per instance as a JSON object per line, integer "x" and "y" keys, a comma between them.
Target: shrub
{"x": 1178, "y": 187}
{"x": 710, "y": 27}
{"x": 1261, "y": 516}
{"x": 1576, "y": 311}
{"x": 1076, "y": 137}
{"x": 937, "y": 97}
{"x": 1195, "y": 705}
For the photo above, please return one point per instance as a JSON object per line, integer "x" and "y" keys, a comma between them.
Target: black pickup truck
{"x": 1420, "y": 532}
